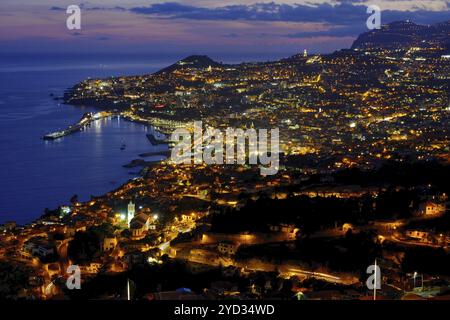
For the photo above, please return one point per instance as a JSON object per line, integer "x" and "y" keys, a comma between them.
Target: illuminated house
{"x": 419, "y": 235}
{"x": 91, "y": 268}
{"x": 288, "y": 229}
{"x": 109, "y": 243}
{"x": 431, "y": 208}
{"x": 227, "y": 247}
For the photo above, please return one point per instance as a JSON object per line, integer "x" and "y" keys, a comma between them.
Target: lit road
{"x": 321, "y": 276}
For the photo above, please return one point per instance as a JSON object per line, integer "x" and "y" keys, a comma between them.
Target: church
{"x": 139, "y": 223}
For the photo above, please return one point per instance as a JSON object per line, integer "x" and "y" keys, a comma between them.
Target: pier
{"x": 85, "y": 120}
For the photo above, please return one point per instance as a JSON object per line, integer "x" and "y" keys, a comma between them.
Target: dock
{"x": 85, "y": 121}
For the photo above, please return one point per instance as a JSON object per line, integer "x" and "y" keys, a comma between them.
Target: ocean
{"x": 37, "y": 174}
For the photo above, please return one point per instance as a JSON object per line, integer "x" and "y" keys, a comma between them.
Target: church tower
{"x": 130, "y": 212}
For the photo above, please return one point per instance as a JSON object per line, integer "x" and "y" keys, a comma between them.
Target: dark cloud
{"x": 346, "y": 12}
{"x": 54, "y": 8}
{"x": 347, "y": 18}
{"x": 171, "y": 8}
{"x": 84, "y": 7}
{"x": 117, "y": 8}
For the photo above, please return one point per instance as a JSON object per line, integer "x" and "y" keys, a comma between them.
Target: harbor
{"x": 85, "y": 121}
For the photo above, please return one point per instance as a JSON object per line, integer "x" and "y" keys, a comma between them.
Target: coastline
{"x": 136, "y": 163}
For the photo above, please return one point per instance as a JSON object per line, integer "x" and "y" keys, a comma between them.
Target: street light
{"x": 414, "y": 277}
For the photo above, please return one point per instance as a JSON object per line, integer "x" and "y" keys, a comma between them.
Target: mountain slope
{"x": 405, "y": 34}
{"x": 194, "y": 61}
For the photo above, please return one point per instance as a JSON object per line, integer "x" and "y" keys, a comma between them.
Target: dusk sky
{"x": 200, "y": 26}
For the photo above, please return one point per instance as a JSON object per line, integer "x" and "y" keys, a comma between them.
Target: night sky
{"x": 199, "y": 26}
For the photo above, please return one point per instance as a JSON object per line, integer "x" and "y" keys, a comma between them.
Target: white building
{"x": 131, "y": 212}
{"x": 139, "y": 226}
